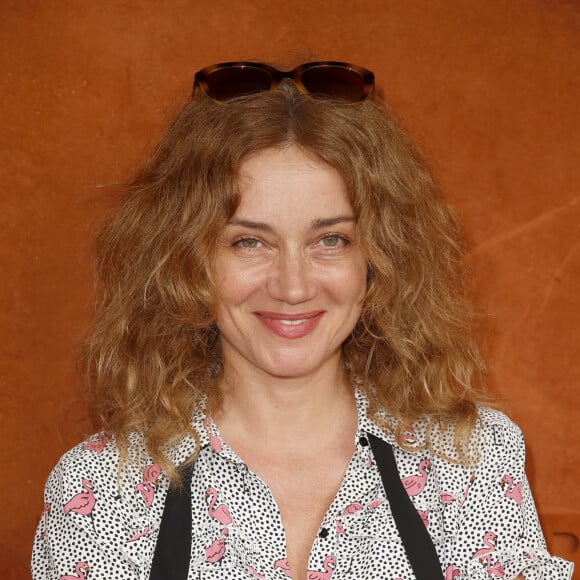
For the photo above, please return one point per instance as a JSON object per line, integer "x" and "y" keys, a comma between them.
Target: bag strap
{"x": 173, "y": 548}
{"x": 416, "y": 539}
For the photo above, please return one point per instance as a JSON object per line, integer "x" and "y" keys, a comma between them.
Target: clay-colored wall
{"x": 490, "y": 89}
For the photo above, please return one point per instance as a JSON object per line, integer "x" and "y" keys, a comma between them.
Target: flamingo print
{"x": 409, "y": 436}
{"x": 151, "y": 473}
{"x": 375, "y": 504}
{"x": 255, "y": 573}
{"x": 47, "y": 508}
{"x": 467, "y": 488}
{"x": 284, "y": 565}
{"x": 352, "y": 508}
{"x": 446, "y": 498}
{"x": 490, "y": 541}
{"x": 328, "y": 568}
{"x": 83, "y": 502}
{"x": 366, "y": 459}
{"x": 355, "y": 507}
{"x": 424, "y": 514}
{"x": 221, "y": 513}
{"x": 483, "y": 555}
{"x": 147, "y": 487}
{"x": 414, "y": 484}
{"x": 140, "y": 534}
{"x": 98, "y": 444}
{"x": 496, "y": 570}
{"x": 81, "y": 570}
{"x": 513, "y": 491}
{"x": 451, "y": 571}
{"x": 216, "y": 551}
{"x": 215, "y": 442}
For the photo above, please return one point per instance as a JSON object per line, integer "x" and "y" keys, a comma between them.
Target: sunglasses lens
{"x": 336, "y": 82}
{"x": 229, "y": 82}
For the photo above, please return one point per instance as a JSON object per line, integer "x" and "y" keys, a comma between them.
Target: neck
{"x": 286, "y": 412}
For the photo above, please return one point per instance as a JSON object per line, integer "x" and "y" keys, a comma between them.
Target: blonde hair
{"x": 153, "y": 355}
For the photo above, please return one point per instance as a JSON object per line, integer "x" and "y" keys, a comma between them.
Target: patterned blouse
{"x": 100, "y": 524}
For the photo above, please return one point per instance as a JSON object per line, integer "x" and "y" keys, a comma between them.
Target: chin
{"x": 294, "y": 366}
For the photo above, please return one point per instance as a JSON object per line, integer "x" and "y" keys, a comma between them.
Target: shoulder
{"x": 495, "y": 418}
{"x": 96, "y": 464}
{"x": 96, "y": 498}
{"x": 495, "y": 440}
{"x": 496, "y": 429}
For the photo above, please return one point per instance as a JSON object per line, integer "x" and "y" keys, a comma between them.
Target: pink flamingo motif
{"x": 409, "y": 436}
{"x": 140, "y": 534}
{"x": 339, "y": 528}
{"x": 447, "y": 498}
{"x": 352, "y": 508}
{"x": 467, "y": 488}
{"x": 255, "y": 573}
{"x": 328, "y": 568}
{"x": 284, "y": 565}
{"x": 414, "y": 484}
{"x": 366, "y": 459}
{"x": 355, "y": 507}
{"x": 47, "y": 508}
{"x": 81, "y": 570}
{"x": 490, "y": 541}
{"x": 98, "y": 444}
{"x": 215, "y": 442}
{"x": 496, "y": 570}
{"x": 151, "y": 473}
{"x": 483, "y": 555}
{"x": 513, "y": 491}
{"x": 451, "y": 571}
{"x": 375, "y": 503}
{"x": 83, "y": 502}
{"x": 424, "y": 514}
{"x": 221, "y": 513}
{"x": 147, "y": 487}
{"x": 216, "y": 551}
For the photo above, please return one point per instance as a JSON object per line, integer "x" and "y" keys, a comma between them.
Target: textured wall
{"x": 490, "y": 89}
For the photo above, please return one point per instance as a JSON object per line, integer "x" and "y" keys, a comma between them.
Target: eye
{"x": 247, "y": 243}
{"x": 333, "y": 241}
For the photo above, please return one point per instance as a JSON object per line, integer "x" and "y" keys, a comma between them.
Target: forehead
{"x": 291, "y": 180}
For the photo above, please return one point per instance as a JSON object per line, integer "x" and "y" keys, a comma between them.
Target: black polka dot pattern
{"x": 99, "y": 524}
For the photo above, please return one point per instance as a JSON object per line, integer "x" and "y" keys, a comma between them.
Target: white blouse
{"x": 100, "y": 524}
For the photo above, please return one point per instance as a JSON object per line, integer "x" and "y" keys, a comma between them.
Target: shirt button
{"x": 323, "y": 533}
{"x": 363, "y": 441}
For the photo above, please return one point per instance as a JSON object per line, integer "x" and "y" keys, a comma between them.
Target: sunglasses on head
{"x": 326, "y": 79}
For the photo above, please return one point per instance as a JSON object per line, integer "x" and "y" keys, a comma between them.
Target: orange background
{"x": 490, "y": 89}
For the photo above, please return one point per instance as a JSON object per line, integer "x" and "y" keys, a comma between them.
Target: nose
{"x": 291, "y": 279}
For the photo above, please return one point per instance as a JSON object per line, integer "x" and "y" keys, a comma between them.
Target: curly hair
{"x": 153, "y": 353}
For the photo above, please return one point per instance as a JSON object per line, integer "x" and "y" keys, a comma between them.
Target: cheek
{"x": 234, "y": 285}
{"x": 352, "y": 284}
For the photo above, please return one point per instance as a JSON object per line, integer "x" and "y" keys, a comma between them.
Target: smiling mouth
{"x": 291, "y": 322}
{"x": 290, "y": 325}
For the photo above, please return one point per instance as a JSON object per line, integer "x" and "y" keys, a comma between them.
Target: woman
{"x": 282, "y": 312}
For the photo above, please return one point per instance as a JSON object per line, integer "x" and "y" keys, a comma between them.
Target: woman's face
{"x": 289, "y": 272}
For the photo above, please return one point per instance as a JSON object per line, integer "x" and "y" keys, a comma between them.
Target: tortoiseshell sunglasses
{"x": 328, "y": 79}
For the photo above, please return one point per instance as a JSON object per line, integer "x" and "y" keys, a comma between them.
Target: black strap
{"x": 173, "y": 548}
{"x": 416, "y": 539}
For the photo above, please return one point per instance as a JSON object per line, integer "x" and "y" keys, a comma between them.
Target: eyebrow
{"x": 315, "y": 224}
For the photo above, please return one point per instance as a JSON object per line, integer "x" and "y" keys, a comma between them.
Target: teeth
{"x": 292, "y": 322}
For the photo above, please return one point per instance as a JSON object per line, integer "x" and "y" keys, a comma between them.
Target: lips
{"x": 290, "y": 325}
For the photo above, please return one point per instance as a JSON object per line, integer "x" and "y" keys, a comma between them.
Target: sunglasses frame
{"x": 202, "y": 76}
